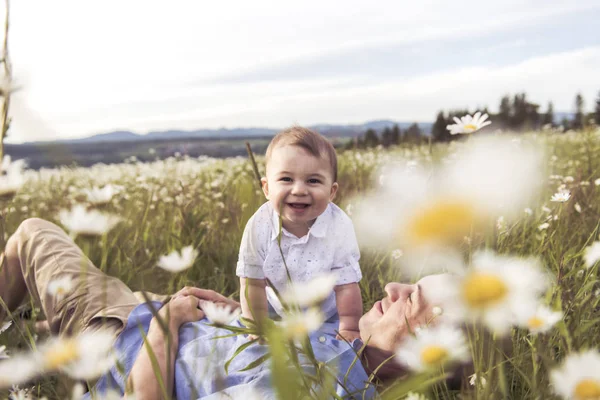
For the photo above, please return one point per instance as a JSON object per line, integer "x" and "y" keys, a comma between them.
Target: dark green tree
{"x": 413, "y": 134}
{"x": 505, "y": 112}
{"x": 386, "y": 137}
{"x": 439, "y": 132}
{"x": 548, "y": 118}
{"x": 395, "y": 138}
{"x": 371, "y": 138}
{"x": 579, "y": 115}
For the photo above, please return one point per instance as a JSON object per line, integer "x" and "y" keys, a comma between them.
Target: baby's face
{"x": 299, "y": 186}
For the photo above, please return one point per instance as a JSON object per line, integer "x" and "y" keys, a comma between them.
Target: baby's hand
{"x": 348, "y": 335}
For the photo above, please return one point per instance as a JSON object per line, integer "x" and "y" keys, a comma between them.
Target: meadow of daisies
{"x": 514, "y": 218}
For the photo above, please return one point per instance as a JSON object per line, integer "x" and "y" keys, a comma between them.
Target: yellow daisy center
{"x": 434, "y": 355}
{"x": 535, "y": 322}
{"x": 587, "y": 389}
{"x": 296, "y": 329}
{"x": 443, "y": 221}
{"x": 61, "y": 354}
{"x": 481, "y": 290}
{"x": 470, "y": 127}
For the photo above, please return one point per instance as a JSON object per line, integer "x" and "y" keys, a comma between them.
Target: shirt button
{"x": 322, "y": 339}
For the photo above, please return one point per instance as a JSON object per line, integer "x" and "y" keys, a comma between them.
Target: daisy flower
{"x": 396, "y": 254}
{"x": 99, "y": 196}
{"x": 468, "y": 124}
{"x": 84, "y": 357}
{"x": 298, "y": 324}
{"x": 432, "y": 348}
{"x": 18, "y": 369}
{"x": 60, "y": 287}
{"x": 5, "y": 326}
{"x": 454, "y": 200}
{"x": 561, "y": 196}
{"x": 17, "y": 393}
{"x": 415, "y": 396}
{"x": 543, "y": 226}
{"x": 3, "y": 353}
{"x": 219, "y": 314}
{"x": 305, "y": 294}
{"x": 498, "y": 290}
{"x": 592, "y": 254}
{"x": 177, "y": 262}
{"x": 542, "y": 320}
{"x": 578, "y": 377}
{"x": 80, "y": 221}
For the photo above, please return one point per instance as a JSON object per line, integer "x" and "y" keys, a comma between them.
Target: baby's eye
{"x": 314, "y": 181}
{"x": 285, "y": 179}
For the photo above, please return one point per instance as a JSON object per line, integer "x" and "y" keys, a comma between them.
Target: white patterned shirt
{"x": 329, "y": 246}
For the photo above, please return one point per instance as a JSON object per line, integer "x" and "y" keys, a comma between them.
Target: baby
{"x": 317, "y": 237}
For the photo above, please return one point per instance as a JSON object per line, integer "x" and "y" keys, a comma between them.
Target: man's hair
{"x": 309, "y": 140}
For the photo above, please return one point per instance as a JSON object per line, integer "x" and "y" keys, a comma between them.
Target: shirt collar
{"x": 318, "y": 229}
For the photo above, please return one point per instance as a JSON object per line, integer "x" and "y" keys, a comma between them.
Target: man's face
{"x": 390, "y": 320}
{"x": 299, "y": 186}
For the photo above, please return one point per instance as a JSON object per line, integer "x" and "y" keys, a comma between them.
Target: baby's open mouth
{"x": 298, "y": 205}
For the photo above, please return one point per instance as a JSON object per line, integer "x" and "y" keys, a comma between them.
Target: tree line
{"x": 515, "y": 113}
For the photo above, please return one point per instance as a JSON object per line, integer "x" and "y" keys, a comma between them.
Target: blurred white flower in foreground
{"x": 591, "y": 254}
{"x": 543, "y": 226}
{"x": 99, "y": 196}
{"x": 577, "y": 208}
{"x": 542, "y": 320}
{"x": 298, "y": 324}
{"x": 439, "y": 208}
{"x": 5, "y": 326}
{"x": 305, "y": 294}
{"x": 498, "y": 290}
{"x": 219, "y": 314}
{"x": 86, "y": 356}
{"x": 3, "y": 353}
{"x": 468, "y": 123}
{"x": 60, "y": 287}
{"x": 473, "y": 379}
{"x": 17, "y": 370}
{"x": 578, "y": 377}
{"x": 17, "y": 393}
{"x": 561, "y": 196}
{"x": 432, "y": 348}
{"x": 80, "y": 221}
{"x": 415, "y": 396}
{"x": 176, "y": 262}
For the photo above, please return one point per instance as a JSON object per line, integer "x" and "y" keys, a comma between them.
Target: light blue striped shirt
{"x": 199, "y": 365}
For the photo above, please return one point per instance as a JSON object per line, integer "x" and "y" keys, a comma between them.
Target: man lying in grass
{"x": 180, "y": 356}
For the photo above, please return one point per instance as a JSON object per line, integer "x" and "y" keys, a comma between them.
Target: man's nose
{"x": 397, "y": 291}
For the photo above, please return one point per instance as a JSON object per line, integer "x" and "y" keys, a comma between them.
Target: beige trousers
{"x": 96, "y": 300}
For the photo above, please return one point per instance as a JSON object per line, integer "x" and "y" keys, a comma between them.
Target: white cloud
{"x": 96, "y": 66}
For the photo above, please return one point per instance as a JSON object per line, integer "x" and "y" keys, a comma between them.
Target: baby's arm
{"x": 349, "y": 306}
{"x": 253, "y": 298}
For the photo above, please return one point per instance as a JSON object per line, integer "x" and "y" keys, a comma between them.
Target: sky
{"x": 87, "y": 67}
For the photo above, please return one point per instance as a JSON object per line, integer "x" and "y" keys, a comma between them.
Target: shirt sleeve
{"x": 347, "y": 254}
{"x": 253, "y": 247}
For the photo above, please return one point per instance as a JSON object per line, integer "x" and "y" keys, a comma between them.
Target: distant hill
{"x": 330, "y": 130}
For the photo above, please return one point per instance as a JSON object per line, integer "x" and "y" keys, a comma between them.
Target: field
{"x": 206, "y": 202}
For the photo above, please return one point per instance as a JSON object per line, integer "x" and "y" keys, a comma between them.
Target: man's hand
{"x": 348, "y": 335}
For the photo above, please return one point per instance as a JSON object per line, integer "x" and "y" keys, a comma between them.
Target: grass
{"x": 206, "y": 202}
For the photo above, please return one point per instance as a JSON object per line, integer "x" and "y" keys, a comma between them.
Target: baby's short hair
{"x": 314, "y": 143}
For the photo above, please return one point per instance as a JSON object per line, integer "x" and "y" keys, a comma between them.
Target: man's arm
{"x": 144, "y": 380}
{"x": 349, "y": 306}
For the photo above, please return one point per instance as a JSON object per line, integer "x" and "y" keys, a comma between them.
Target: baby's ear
{"x": 334, "y": 189}
{"x": 265, "y": 186}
